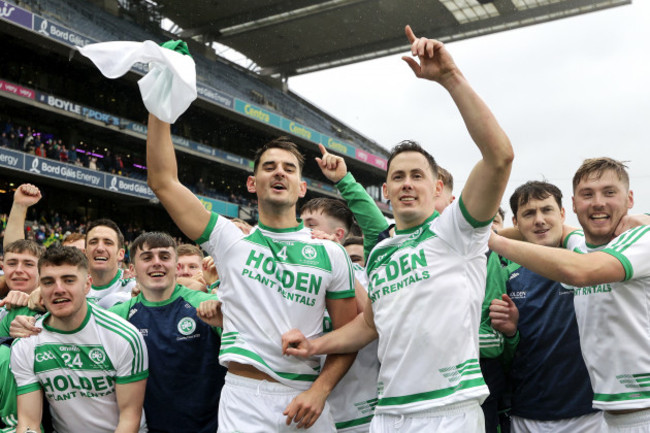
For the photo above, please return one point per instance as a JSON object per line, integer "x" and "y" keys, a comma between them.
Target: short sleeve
{"x": 632, "y": 249}
{"x": 133, "y": 364}
{"x": 465, "y": 235}
{"x": 218, "y": 236}
{"x": 342, "y": 274}
{"x": 22, "y": 366}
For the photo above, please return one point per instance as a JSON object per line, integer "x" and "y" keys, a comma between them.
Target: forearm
{"x": 336, "y": 365}
{"x": 15, "y": 229}
{"x": 161, "y": 158}
{"x": 481, "y": 124}
{"x": 348, "y": 339}
{"x": 558, "y": 264}
{"x": 365, "y": 210}
{"x": 128, "y": 423}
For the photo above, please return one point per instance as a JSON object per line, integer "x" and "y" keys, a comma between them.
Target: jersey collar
{"x": 414, "y": 229}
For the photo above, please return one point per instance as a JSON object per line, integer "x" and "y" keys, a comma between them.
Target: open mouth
{"x": 279, "y": 187}
{"x": 157, "y": 274}
{"x": 100, "y": 259}
{"x": 407, "y": 199}
{"x": 599, "y": 217}
{"x": 60, "y": 301}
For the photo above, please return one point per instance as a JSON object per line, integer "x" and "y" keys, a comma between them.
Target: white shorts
{"x": 256, "y": 406}
{"x": 465, "y": 417}
{"x": 590, "y": 423}
{"x": 635, "y": 422}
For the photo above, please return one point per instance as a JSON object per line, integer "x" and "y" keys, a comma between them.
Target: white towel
{"x": 169, "y": 87}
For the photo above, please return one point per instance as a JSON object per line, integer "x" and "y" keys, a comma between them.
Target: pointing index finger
{"x": 409, "y": 34}
{"x": 322, "y": 149}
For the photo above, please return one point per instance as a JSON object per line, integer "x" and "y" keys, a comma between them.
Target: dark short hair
{"x": 413, "y": 146}
{"x": 283, "y": 143}
{"x": 152, "y": 240}
{"x": 331, "y": 207}
{"x": 446, "y": 178}
{"x": 25, "y": 246}
{"x": 189, "y": 250}
{"x": 105, "y": 222}
{"x": 62, "y": 255}
{"x": 534, "y": 189}
{"x": 353, "y": 240}
{"x": 598, "y": 166}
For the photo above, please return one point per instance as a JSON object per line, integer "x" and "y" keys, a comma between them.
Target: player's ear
{"x": 250, "y": 184}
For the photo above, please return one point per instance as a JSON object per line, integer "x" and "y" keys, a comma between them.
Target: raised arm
{"x": 26, "y": 195}
{"x": 561, "y": 265}
{"x": 486, "y": 183}
{"x": 162, "y": 176}
{"x": 364, "y": 208}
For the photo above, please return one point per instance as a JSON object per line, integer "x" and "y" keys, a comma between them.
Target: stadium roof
{"x": 291, "y": 37}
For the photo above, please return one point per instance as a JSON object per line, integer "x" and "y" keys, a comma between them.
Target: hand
{"x": 15, "y": 299}
{"x": 23, "y": 327}
{"x": 35, "y": 302}
{"x": 332, "y": 166}
{"x": 210, "y": 274}
{"x": 435, "y": 64}
{"x": 305, "y": 408}
{"x": 504, "y": 315}
{"x": 296, "y": 344}
{"x": 319, "y": 234}
{"x": 210, "y": 312}
{"x": 135, "y": 291}
{"x": 193, "y": 283}
{"x": 27, "y": 195}
{"x": 630, "y": 221}
{"x": 243, "y": 226}
{"x": 128, "y": 273}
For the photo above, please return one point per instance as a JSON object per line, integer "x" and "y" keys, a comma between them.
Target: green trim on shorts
{"x": 430, "y": 395}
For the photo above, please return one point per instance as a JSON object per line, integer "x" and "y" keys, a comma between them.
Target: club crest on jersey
{"x": 309, "y": 252}
{"x": 97, "y": 356}
{"x": 186, "y": 325}
{"x": 416, "y": 233}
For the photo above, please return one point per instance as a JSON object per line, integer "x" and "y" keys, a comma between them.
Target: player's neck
{"x": 103, "y": 278}
{"x": 280, "y": 219}
{"x": 159, "y": 295}
{"x": 69, "y": 323}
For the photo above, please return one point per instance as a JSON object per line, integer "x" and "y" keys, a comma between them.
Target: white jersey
{"x": 614, "y": 323}
{"x": 118, "y": 290}
{"x": 360, "y": 274}
{"x": 354, "y": 398}
{"x": 273, "y": 281}
{"x": 78, "y": 370}
{"x": 427, "y": 286}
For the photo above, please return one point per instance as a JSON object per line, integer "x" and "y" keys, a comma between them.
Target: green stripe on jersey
{"x": 354, "y": 422}
{"x": 105, "y": 320}
{"x": 431, "y": 395}
{"x": 92, "y": 357}
{"x": 205, "y": 236}
{"x": 565, "y": 242}
{"x": 624, "y": 396}
{"x": 382, "y": 256}
{"x": 255, "y": 357}
{"x": 292, "y": 252}
{"x": 26, "y": 389}
{"x": 469, "y": 218}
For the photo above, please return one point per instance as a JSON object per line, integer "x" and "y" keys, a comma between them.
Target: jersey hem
{"x": 470, "y": 219}
{"x": 627, "y": 266}
{"x": 132, "y": 378}
{"x": 205, "y": 236}
{"x": 340, "y": 295}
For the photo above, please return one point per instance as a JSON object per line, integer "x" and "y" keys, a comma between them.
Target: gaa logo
{"x": 186, "y": 326}
{"x": 44, "y": 356}
{"x": 97, "y": 356}
{"x": 309, "y": 252}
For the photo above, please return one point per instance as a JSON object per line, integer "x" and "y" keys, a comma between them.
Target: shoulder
{"x": 194, "y": 297}
{"x": 122, "y": 309}
{"x": 114, "y": 326}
